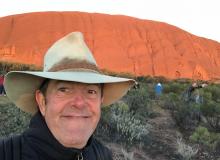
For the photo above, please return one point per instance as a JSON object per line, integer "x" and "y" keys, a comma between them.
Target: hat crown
{"x": 69, "y": 53}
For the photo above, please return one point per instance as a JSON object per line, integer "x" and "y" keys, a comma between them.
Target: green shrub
{"x": 12, "y": 119}
{"x": 214, "y": 90}
{"x": 120, "y": 124}
{"x": 187, "y": 115}
{"x": 174, "y": 87}
{"x": 160, "y": 79}
{"x": 203, "y": 136}
{"x": 145, "y": 79}
{"x": 200, "y": 135}
{"x": 211, "y": 110}
{"x": 170, "y": 101}
{"x": 130, "y": 128}
{"x": 139, "y": 101}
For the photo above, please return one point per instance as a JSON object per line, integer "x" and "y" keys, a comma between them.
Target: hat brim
{"x": 20, "y": 86}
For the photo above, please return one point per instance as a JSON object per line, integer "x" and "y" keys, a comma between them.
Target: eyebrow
{"x": 86, "y": 84}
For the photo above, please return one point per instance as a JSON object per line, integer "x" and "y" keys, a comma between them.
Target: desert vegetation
{"x": 9, "y": 66}
{"x": 144, "y": 125}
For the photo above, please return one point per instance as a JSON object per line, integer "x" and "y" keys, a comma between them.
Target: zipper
{"x": 80, "y": 156}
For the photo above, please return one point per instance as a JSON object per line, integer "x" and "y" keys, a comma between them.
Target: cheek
{"x": 96, "y": 109}
{"x": 54, "y": 105}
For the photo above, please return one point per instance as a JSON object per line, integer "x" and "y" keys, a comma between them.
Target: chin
{"x": 77, "y": 135}
{"x": 78, "y": 142}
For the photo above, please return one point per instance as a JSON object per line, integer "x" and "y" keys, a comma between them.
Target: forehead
{"x": 58, "y": 82}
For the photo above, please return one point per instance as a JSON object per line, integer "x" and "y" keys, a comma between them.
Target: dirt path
{"x": 164, "y": 135}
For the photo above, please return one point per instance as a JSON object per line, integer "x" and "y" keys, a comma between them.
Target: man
{"x": 2, "y": 90}
{"x": 65, "y": 100}
{"x": 194, "y": 88}
{"x": 158, "y": 89}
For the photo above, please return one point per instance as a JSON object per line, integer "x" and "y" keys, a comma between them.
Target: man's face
{"x": 71, "y": 110}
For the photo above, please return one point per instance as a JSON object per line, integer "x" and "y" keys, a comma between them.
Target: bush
{"x": 174, "y": 87}
{"x": 203, "y": 136}
{"x": 119, "y": 122}
{"x": 215, "y": 92}
{"x": 139, "y": 101}
{"x": 211, "y": 110}
{"x": 8, "y": 66}
{"x": 128, "y": 155}
{"x": 186, "y": 151}
{"x": 130, "y": 128}
{"x": 171, "y": 101}
{"x": 187, "y": 115}
{"x": 13, "y": 120}
{"x": 145, "y": 79}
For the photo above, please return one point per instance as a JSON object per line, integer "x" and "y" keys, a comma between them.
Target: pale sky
{"x": 199, "y": 17}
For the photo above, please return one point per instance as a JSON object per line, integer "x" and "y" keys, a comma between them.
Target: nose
{"x": 78, "y": 100}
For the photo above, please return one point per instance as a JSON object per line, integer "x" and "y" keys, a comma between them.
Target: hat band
{"x": 71, "y": 64}
{"x": 77, "y": 70}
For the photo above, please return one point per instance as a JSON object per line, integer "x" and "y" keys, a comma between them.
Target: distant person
{"x": 2, "y": 89}
{"x": 158, "y": 89}
{"x": 136, "y": 86}
{"x": 193, "y": 94}
{"x": 65, "y": 100}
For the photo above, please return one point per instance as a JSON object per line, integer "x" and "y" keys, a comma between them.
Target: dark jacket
{"x": 38, "y": 143}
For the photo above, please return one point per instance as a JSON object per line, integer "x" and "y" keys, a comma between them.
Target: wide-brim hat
{"x": 68, "y": 59}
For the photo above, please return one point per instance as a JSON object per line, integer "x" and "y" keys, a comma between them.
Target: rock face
{"x": 119, "y": 43}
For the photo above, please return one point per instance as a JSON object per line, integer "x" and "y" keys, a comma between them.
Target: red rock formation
{"x": 119, "y": 43}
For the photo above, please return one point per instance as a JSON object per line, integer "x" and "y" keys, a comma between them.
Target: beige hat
{"x": 68, "y": 59}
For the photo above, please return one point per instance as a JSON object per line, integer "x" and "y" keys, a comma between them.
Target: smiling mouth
{"x": 75, "y": 116}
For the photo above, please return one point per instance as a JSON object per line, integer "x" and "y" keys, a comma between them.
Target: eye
{"x": 90, "y": 91}
{"x": 63, "y": 89}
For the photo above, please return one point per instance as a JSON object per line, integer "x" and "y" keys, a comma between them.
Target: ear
{"x": 102, "y": 99}
{"x": 41, "y": 101}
